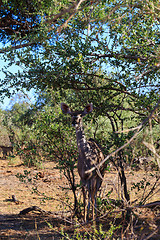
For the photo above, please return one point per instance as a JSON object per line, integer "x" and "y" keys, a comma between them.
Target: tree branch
{"x": 16, "y": 47}
{"x": 110, "y": 55}
{"x": 139, "y": 129}
{"x": 152, "y": 149}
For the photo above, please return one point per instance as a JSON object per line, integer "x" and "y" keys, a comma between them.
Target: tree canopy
{"x": 82, "y": 45}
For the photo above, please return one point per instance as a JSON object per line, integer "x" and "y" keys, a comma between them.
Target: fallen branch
{"x": 15, "y": 200}
{"x": 33, "y": 208}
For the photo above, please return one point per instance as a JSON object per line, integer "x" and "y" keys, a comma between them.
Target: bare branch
{"x": 152, "y": 149}
{"x": 76, "y": 8}
{"x": 128, "y": 130}
{"x": 110, "y": 55}
{"x": 139, "y": 129}
{"x": 16, "y": 47}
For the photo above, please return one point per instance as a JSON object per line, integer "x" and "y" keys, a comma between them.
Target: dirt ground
{"x": 48, "y": 225}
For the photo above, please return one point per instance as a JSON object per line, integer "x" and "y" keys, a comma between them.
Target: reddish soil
{"x": 48, "y": 225}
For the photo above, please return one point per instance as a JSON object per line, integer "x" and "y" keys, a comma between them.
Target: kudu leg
{"x": 94, "y": 203}
{"x": 84, "y": 202}
{"x": 88, "y": 207}
{"x": 93, "y": 206}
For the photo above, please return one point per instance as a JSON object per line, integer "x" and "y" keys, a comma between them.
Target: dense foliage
{"x": 111, "y": 41}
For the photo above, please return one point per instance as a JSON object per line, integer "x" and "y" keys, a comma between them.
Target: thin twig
{"x": 151, "y": 235}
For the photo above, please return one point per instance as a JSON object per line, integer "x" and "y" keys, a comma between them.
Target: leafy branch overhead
{"x": 24, "y": 17}
{"x": 104, "y": 47}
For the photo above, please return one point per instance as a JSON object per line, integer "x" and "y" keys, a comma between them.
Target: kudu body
{"x": 89, "y": 156}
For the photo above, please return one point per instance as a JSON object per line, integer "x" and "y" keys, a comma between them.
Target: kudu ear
{"x": 65, "y": 109}
{"x": 88, "y": 109}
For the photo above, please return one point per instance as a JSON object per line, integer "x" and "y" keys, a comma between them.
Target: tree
{"x": 122, "y": 40}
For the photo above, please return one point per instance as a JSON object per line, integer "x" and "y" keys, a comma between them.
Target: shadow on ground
{"x": 30, "y": 227}
{"x": 35, "y": 226}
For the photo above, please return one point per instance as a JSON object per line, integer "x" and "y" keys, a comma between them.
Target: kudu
{"x": 89, "y": 156}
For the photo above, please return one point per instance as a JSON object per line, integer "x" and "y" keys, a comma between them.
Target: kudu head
{"x": 76, "y": 116}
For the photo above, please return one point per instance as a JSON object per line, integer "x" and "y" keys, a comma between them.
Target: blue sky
{"x": 8, "y": 102}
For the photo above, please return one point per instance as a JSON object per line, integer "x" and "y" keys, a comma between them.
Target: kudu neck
{"x": 81, "y": 139}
